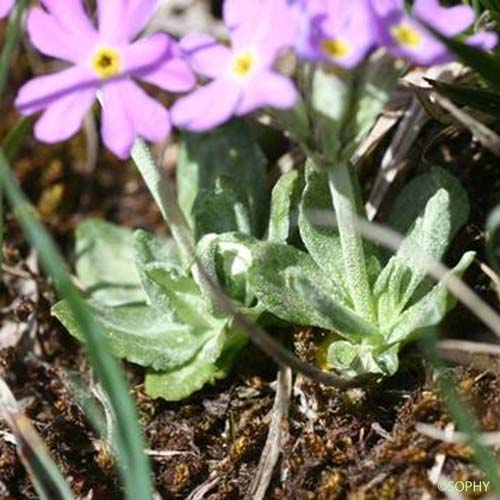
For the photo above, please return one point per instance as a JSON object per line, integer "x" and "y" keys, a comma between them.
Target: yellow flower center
{"x": 107, "y": 62}
{"x": 406, "y": 35}
{"x": 336, "y": 48}
{"x": 243, "y": 64}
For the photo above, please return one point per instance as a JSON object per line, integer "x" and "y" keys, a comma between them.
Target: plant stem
{"x": 344, "y": 203}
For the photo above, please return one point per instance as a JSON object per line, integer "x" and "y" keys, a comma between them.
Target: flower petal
{"x": 52, "y": 38}
{"x": 121, "y": 20}
{"x": 147, "y": 52}
{"x": 428, "y": 52}
{"x": 117, "y": 128}
{"x": 141, "y": 116}
{"x": 236, "y": 12}
{"x": 174, "y": 75}
{"x": 70, "y": 14}
{"x": 351, "y": 24}
{"x": 63, "y": 118}
{"x": 207, "y": 57}
{"x": 39, "y": 92}
{"x": 207, "y": 107}
{"x": 267, "y": 89}
{"x": 450, "y": 21}
{"x": 484, "y": 40}
{"x": 271, "y": 29}
{"x": 5, "y": 7}
{"x": 150, "y": 119}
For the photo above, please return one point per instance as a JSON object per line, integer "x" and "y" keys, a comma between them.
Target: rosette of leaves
{"x": 157, "y": 311}
{"x": 154, "y": 310}
{"x": 307, "y": 286}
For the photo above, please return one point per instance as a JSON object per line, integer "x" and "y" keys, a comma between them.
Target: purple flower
{"x": 102, "y": 61}
{"x": 5, "y": 7}
{"x": 406, "y": 36}
{"x": 340, "y": 32}
{"x": 243, "y": 78}
{"x": 309, "y": 14}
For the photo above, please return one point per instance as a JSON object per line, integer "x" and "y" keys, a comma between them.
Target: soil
{"x": 357, "y": 444}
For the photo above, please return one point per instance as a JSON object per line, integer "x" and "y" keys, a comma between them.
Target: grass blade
{"x": 14, "y": 138}
{"x": 11, "y": 40}
{"x": 127, "y": 436}
{"x": 10, "y": 44}
{"x": 466, "y": 422}
{"x": 48, "y": 481}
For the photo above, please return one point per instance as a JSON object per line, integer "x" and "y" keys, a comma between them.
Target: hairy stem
{"x": 344, "y": 203}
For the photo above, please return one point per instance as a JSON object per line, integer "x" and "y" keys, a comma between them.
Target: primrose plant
{"x": 321, "y": 69}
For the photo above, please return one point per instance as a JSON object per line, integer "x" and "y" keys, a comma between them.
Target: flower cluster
{"x": 105, "y": 61}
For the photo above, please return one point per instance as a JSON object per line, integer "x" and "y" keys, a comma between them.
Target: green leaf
{"x": 143, "y": 335}
{"x": 284, "y": 202}
{"x": 318, "y": 230}
{"x": 272, "y": 275}
{"x": 167, "y": 287}
{"x": 411, "y": 201}
{"x": 477, "y": 98}
{"x": 105, "y": 263}
{"x": 348, "y": 103}
{"x": 149, "y": 248}
{"x": 220, "y": 210}
{"x": 354, "y": 360}
{"x": 231, "y": 151}
{"x": 493, "y": 238}
{"x": 406, "y": 270}
{"x": 431, "y": 309}
{"x": 203, "y": 369}
{"x": 226, "y": 258}
{"x": 342, "y": 320}
{"x": 162, "y": 191}
{"x": 179, "y": 295}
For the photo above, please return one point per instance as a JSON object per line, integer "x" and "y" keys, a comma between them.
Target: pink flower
{"x": 5, "y": 7}
{"x": 243, "y": 78}
{"x": 104, "y": 60}
{"x": 337, "y": 32}
{"x": 405, "y": 34}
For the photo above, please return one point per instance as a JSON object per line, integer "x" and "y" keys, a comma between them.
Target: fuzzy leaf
{"x": 167, "y": 287}
{"x": 406, "y": 270}
{"x": 274, "y": 268}
{"x": 148, "y": 248}
{"x": 226, "y": 258}
{"x": 341, "y": 319}
{"x": 493, "y": 238}
{"x": 142, "y": 334}
{"x": 354, "y": 360}
{"x": 202, "y": 369}
{"x": 285, "y": 197}
{"x": 413, "y": 198}
{"x": 105, "y": 263}
{"x": 348, "y": 104}
{"x": 431, "y": 309}
{"x": 231, "y": 151}
{"x": 321, "y": 238}
{"x": 221, "y": 210}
